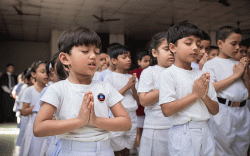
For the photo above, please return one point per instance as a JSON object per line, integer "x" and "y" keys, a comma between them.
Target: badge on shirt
{"x": 101, "y": 97}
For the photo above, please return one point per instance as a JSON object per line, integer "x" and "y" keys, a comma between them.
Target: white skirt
{"x": 154, "y": 142}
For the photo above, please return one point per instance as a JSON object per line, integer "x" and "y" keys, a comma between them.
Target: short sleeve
{"x": 208, "y": 67}
{"x": 51, "y": 96}
{"x": 212, "y": 93}
{"x": 113, "y": 96}
{"x": 167, "y": 91}
{"x": 146, "y": 82}
{"x": 26, "y": 97}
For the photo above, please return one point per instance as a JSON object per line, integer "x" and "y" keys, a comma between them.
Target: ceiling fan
{"x": 20, "y": 12}
{"x": 101, "y": 19}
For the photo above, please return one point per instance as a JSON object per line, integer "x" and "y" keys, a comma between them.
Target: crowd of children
{"x": 185, "y": 98}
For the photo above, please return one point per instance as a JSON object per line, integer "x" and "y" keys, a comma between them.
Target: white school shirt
{"x": 153, "y": 114}
{"x": 220, "y": 69}
{"x": 118, "y": 81}
{"x": 19, "y": 103}
{"x": 30, "y": 95}
{"x": 96, "y": 75}
{"x": 104, "y": 73}
{"x": 176, "y": 83}
{"x": 195, "y": 65}
{"x": 67, "y": 97}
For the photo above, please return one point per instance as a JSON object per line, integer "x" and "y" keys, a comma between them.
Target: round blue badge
{"x": 101, "y": 97}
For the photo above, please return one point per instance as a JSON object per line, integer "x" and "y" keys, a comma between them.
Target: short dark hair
{"x": 212, "y": 48}
{"x": 112, "y": 46}
{"x": 181, "y": 30}
{"x": 246, "y": 42}
{"x": 28, "y": 74}
{"x": 118, "y": 50}
{"x": 141, "y": 53}
{"x": 76, "y": 37}
{"x": 52, "y": 63}
{"x": 157, "y": 40}
{"x": 225, "y": 31}
{"x": 10, "y": 64}
{"x": 205, "y": 36}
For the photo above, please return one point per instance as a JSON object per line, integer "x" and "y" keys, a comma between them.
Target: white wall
{"x": 22, "y": 54}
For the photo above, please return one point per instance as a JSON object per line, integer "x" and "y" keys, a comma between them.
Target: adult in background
{"x": 8, "y": 81}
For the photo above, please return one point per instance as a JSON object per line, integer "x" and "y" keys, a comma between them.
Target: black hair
{"x": 61, "y": 72}
{"x": 101, "y": 52}
{"x": 157, "y": 40}
{"x": 225, "y": 31}
{"x": 35, "y": 65}
{"x": 10, "y": 64}
{"x": 24, "y": 73}
{"x": 77, "y": 37}
{"x": 112, "y": 46}
{"x": 28, "y": 74}
{"x": 212, "y": 48}
{"x": 141, "y": 53}
{"x": 118, "y": 50}
{"x": 181, "y": 30}
{"x": 246, "y": 42}
{"x": 205, "y": 36}
{"x": 52, "y": 63}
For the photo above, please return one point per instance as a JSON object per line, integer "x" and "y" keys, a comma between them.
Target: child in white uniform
{"x": 31, "y": 96}
{"x": 125, "y": 83}
{"x": 203, "y": 55}
{"x": 24, "y": 119}
{"x": 80, "y": 104}
{"x": 155, "y": 130}
{"x": 231, "y": 126}
{"x": 186, "y": 95}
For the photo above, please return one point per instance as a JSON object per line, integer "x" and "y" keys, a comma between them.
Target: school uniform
{"x": 104, "y": 73}
{"x": 231, "y": 126}
{"x": 124, "y": 139}
{"x": 154, "y": 138}
{"x": 189, "y": 134}
{"x": 195, "y": 65}
{"x": 31, "y": 96}
{"x": 23, "y": 119}
{"x": 96, "y": 75}
{"x": 140, "y": 111}
{"x": 67, "y": 97}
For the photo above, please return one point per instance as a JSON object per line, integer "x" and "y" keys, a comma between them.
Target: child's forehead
{"x": 192, "y": 37}
{"x": 234, "y": 37}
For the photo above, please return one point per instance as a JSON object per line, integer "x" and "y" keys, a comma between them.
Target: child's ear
{"x": 172, "y": 47}
{"x": 219, "y": 43}
{"x": 64, "y": 58}
{"x": 154, "y": 53}
{"x": 113, "y": 61}
{"x": 139, "y": 62}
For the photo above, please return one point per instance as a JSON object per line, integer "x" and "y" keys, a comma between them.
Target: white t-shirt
{"x": 153, "y": 114}
{"x": 67, "y": 97}
{"x": 221, "y": 69}
{"x": 195, "y": 65}
{"x": 96, "y": 75}
{"x": 30, "y": 95}
{"x": 176, "y": 83}
{"x": 118, "y": 81}
{"x": 104, "y": 73}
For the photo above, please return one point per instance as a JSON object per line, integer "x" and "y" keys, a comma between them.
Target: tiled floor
{"x": 8, "y": 136}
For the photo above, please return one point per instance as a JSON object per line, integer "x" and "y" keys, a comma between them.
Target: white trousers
{"x": 231, "y": 130}
{"x": 191, "y": 139}
{"x": 78, "y": 148}
{"x": 154, "y": 142}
